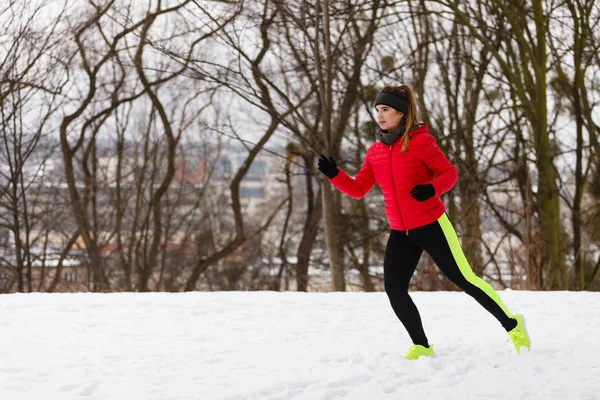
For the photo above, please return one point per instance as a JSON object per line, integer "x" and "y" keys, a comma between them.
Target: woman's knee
{"x": 395, "y": 290}
{"x": 463, "y": 284}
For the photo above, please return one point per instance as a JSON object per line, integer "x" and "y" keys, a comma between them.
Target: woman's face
{"x": 388, "y": 118}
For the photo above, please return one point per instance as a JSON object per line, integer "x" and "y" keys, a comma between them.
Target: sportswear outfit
{"x": 412, "y": 182}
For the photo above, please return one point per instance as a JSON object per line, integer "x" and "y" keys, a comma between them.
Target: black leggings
{"x": 439, "y": 240}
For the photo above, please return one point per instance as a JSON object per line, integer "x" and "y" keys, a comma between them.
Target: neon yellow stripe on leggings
{"x": 464, "y": 266}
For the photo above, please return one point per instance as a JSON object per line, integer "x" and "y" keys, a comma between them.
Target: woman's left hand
{"x": 422, "y": 192}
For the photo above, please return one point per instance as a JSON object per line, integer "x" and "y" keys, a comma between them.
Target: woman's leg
{"x": 399, "y": 264}
{"x": 439, "y": 240}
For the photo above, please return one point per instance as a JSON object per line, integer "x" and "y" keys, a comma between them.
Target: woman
{"x": 412, "y": 173}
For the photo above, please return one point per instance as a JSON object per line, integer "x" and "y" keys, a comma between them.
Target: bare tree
{"x": 309, "y": 81}
{"x": 523, "y": 60}
{"x": 573, "y": 48}
{"x": 28, "y": 98}
{"x": 129, "y": 59}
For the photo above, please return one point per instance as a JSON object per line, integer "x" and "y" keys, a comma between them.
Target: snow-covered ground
{"x": 264, "y": 345}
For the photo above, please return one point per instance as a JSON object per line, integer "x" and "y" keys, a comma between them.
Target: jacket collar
{"x": 390, "y": 138}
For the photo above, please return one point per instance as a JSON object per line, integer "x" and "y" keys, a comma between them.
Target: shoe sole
{"x": 526, "y": 331}
{"x": 421, "y": 356}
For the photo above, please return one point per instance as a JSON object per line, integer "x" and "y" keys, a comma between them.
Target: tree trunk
{"x": 331, "y": 213}
{"x": 363, "y": 267}
{"x": 311, "y": 227}
{"x": 471, "y": 222}
{"x": 547, "y": 199}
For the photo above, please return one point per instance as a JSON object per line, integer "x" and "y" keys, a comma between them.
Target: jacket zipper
{"x": 394, "y": 186}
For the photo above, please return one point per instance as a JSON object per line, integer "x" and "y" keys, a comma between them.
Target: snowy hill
{"x": 263, "y": 345}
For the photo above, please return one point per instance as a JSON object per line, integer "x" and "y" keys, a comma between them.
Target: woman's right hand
{"x": 328, "y": 167}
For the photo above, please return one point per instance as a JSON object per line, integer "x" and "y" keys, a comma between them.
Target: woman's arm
{"x": 358, "y": 186}
{"x": 445, "y": 173}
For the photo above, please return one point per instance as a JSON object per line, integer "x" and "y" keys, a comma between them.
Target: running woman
{"x": 413, "y": 173}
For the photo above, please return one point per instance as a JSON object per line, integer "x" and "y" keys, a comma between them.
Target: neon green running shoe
{"x": 519, "y": 335}
{"x": 416, "y": 350}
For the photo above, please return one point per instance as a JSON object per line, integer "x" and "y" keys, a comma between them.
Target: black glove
{"x": 328, "y": 167}
{"x": 422, "y": 192}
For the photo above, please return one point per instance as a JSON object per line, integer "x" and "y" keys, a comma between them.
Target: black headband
{"x": 393, "y": 101}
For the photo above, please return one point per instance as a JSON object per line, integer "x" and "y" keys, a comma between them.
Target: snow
{"x": 266, "y": 345}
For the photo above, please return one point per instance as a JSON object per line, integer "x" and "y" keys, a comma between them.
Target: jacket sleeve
{"x": 445, "y": 173}
{"x": 358, "y": 186}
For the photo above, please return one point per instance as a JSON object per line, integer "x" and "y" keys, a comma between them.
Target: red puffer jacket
{"x": 397, "y": 173}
